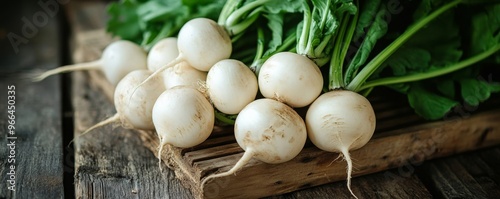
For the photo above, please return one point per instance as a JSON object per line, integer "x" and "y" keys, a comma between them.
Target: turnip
{"x": 117, "y": 60}
{"x": 231, "y": 85}
{"x": 201, "y": 43}
{"x": 269, "y": 131}
{"x": 290, "y": 78}
{"x": 183, "y": 117}
{"x": 137, "y": 110}
{"x": 134, "y": 111}
{"x": 162, "y": 53}
{"x": 183, "y": 74}
{"x": 340, "y": 121}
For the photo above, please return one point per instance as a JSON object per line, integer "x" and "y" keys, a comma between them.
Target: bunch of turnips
{"x": 263, "y": 59}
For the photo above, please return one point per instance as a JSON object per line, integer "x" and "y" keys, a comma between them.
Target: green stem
{"x": 260, "y": 50}
{"x": 285, "y": 46}
{"x": 287, "y": 42}
{"x": 347, "y": 40}
{"x": 228, "y": 8}
{"x": 222, "y": 118}
{"x": 431, "y": 74}
{"x": 377, "y": 61}
{"x": 336, "y": 70}
{"x": 239, "y": 14}
{"x": 235, "y": 38}
{"x": 304, "y": 35}
{"x": 342, "y": 42}
{"x": 326, "y": 40}
{"x": 236, "y": 29}
{"x": 309, "y": 50}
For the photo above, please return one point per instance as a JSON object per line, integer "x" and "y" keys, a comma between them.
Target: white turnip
{"x": 201, "y": 43}
{"x": 162, "y": 53}
{"x": 269, "y": 131}
{"x": 183, "y": 74}
{"x": 137, "y": 110}
{"x": 340, "y": 121}
{"x": 290, "y": 78}
{"x": 183, "y": 117}
{"x": 231, "y": 85}
{"x": 117, "y": 60}
{"x": 134, "y": 111}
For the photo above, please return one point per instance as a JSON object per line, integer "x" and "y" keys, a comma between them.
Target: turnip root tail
{"x": 247, "y": 156}
{"x": 112, "y": 119}
{"x": 174, "y": 62}
{"x": 347, "y": 157}
{"x": 160, "y": 150}
{"x": 68, "y": 68}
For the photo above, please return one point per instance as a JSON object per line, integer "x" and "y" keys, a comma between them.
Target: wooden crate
{"x": 401, "y": 139}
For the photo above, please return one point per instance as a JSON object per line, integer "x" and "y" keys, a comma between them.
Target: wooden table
{"x": 111, "y": 162}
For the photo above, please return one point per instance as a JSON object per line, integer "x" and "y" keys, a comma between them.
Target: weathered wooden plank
{"x": 38, "y": 144}
{"x": 388, "y": 184}
{"x": 468, "y": 175}
{"x": 32, "y": 156}
{"x": 111, "y": 162}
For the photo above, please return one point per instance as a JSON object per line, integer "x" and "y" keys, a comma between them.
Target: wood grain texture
{"x": 111, "y": 162}
{"x": 464, "y": 176}
{"x": 38, "y": 147}
{"x": 39, "y": 155}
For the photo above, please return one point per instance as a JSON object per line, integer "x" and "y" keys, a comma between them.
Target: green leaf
{"x": 485, "y": 29}
{"x": 377, "y": 28}
{"x": 284, "y": 6}
{"x": 317, "y": 35}
{"x": 275, "y": 24}
{"x": 425, "y": 8}
{"x": 124, "y": 21}
{"x": 368, "y": 11}
{"x": 446, "y": 87}
{"x": 427, "y": 104}
{"x": 475, "y": 91}
{"x": 147, "y": 21}
{"x": 409, "y": 60}
{"x": 436, "y": 45}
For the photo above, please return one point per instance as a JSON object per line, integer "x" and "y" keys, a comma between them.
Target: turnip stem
{"x": 378, "y": 60}
{"x": 430, "y": 74}
{"x": 304, "y": 35}
{"x": 68, "y": 68}
{"x": 240, "y": 13}
{"x": 247, "y": 156}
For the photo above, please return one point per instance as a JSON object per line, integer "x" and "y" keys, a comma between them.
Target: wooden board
{"x": 35, "y": 149}
{"x": 402, "y": 139}
{"x": 388, "y": 149}
{"x": 470, "y": 174}
{"x": 110, "y": 162}
{"x": 392, "y": 146}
